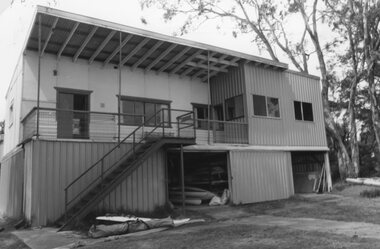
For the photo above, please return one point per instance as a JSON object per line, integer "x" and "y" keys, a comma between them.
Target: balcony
{"x": 56, "y": 124}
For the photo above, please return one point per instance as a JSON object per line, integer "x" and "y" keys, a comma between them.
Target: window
{"x": 234, "y": 107}
{"x": 136, "y": 111}
{"x": 11, "y": 114}
{"x": 201, "y": 114}
{"x": 303, "y": 111}
{"x": 266, "y": 106}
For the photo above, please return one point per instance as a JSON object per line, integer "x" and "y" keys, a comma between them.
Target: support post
{"x": 182, "y": 181}
{"x": 119, "y": 95}
{"x": 208, "y": 98}
{"x": 328, "y": 172}
{"x": 39, "y": 76}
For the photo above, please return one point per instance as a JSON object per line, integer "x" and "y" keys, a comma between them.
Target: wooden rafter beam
{"x": 201, "y": 71}
{"x": 120, "y": 46}
{"x": 147, "y": 54}
{"x": 101, "y": 46}
{"x": 218, "y": 60}
{"x": 67, "y": 39}
{"x": 182, "y": 64}
{"x": 84, "y": 43}
{"x": 174, "y": 59}
{"x": 135, "y": 50}
{"x": 162, "y": 55}
{"x": 201, "y": 65}
{"x": 51, "y": 31}
{"x": 224, "y": 67}
{"x": 186, "y": 72}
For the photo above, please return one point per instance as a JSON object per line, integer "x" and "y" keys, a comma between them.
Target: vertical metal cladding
{"x": 11, "y": 184}
{"x": 260, "y": 176}
{"x": 228, "y": 85}
{"x": 287, "y": 86}
{"x": 56, "y": 163}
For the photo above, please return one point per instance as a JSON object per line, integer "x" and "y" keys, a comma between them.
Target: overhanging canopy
{"x": 80, "y": 37}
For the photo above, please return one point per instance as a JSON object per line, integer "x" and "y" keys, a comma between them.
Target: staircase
{"x": 78, "y": 205}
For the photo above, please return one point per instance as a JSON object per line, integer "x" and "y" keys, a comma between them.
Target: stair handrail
{"x": 144, "y": 136}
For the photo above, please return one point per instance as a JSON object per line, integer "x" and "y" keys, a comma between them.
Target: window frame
{"x": 144, "y": 101}
{"x": 266, "y": 107}
{"x": 205, "y": 106}
{"x": 226, "y": 116}
{"x": 302, "y": 111}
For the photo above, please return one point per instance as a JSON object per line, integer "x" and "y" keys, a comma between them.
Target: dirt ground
{"x": 7, "y": 239}
{"x": 230, "y": 227}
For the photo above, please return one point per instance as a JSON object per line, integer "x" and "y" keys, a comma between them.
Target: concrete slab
{"x": 46, "y": 238}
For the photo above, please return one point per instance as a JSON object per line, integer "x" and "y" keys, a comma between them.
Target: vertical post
{"x": 102, "y": 174}
{"x": 119, "y": 96}
{"x": 194, "y": 129}
{"x": 163, "y": 122}
{"x": 133, "y": 144}
{"x": 39, "y": 75}
{"x": 178, "y": 130}
{"x": 182, "y": 181}
{"x": 328, "y": 172}
{"x": 65, "y": 204}
{"x": 208, "y": 98}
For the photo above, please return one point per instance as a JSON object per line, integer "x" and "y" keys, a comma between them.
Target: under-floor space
{"x": 205, "y": 175}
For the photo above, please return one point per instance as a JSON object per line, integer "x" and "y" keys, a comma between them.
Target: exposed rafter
{"x": 182, "y": 64}
{"x": 123, "y": 43}
{"x": 186, "y": 72}
{"x": 201, "y": 65}
{"x": 84, "y": 43}
{"x": 162, "y": 55}
{"x": 135, "y": 50}
{"x": 147, "y": 54}
{"x": 234, "y": 60}
{"x": 67, "y": 39}
{"x": 174, "y": 59}
{"x": 101, "y": 46}
{"x": 201, "y": 71}
{"x": 218, "y": 60}
{"x": 51, "y": 31}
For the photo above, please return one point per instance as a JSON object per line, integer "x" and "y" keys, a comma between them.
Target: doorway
{"x": 73, "y": 118}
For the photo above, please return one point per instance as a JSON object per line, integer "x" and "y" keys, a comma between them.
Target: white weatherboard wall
{"x": 103, "y": 81}
{"x": 260, "y": 176}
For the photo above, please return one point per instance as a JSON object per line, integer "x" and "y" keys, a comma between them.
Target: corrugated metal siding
{"x": 11, "y": 184}
{"x": 56, "y": 163}
{"x": 227, "y": 85}
{"x": 142, "y": 191}
{"x": 286, "y": 86}
{"x": 260, "y": 176}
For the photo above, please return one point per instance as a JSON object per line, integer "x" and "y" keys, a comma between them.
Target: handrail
{"x": 134, "y": 144}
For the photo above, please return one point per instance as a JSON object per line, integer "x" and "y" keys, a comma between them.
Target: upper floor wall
{"x": 287, "y": 87}
{"x": 103, "y": 82}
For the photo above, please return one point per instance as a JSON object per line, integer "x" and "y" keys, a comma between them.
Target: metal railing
{"x": 98, "y": 171}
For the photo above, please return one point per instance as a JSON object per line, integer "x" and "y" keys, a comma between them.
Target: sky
{"x": 130, "y": 13}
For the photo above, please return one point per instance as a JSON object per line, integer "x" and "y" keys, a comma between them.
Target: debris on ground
{"x": 193, "y": 195}
{"x": 130, "y": 224}
{"x": 373, "y": 181}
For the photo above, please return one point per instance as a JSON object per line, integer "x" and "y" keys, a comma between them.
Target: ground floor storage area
{"x": 205, "y": 175}
{"x": 308, "y": 171}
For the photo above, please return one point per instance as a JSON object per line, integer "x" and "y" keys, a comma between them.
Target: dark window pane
{"x": 259, "y": 108}
{"x": 128, "y": 111}
{"x": 307, "y": 111}
{"x": 162, "y": 114}
{"x": 273, "y": 107}
{"x": 230, "y": 109}
{"x": 150, "y": 110}
{"x": 297, "y": 110}
{"x": 218, "y": 112}
{"x": 201, "y": 113}
{"x": 239, "y": 107}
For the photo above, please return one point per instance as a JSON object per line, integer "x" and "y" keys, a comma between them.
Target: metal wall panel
{"x": 227, "y": 85}
{"x": 260, "y": 176}
{"x": 56, "y": 163}
{"x": 286, "y": 86}
{"x": 11, "y": 184}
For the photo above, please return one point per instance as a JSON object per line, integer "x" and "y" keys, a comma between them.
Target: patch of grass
{"x": 370, "y": 193}
{"x": 340, "y": 186}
